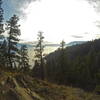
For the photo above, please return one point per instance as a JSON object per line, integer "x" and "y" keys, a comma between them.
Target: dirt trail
{"x": 25, "y": 93}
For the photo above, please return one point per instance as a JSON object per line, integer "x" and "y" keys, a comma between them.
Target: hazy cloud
{"x": 96, "y": 4}
{"x": 77, "y": 36}
{"x": 97, "y": 36}
{"x": 18, "y": 5}
{"x": 97, "y": 24}
{"x": 76, "y": 17}
{"x": 86, "y": 33}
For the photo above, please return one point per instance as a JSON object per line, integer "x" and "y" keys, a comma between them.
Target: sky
{"x": 68, "y": 20}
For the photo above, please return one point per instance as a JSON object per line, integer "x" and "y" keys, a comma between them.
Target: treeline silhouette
{"x": 12, "y": 57}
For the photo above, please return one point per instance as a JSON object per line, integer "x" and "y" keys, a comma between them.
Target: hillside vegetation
{"x": 77, "y": 66}
{"x": 14, "y": 86}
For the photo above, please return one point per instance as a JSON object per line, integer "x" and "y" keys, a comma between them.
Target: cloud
{"x": 97, "y": 23}
{"x": 86, "y": 33}
{"x": 19, "y": 5}
{"x": 97, "y": 36}
{"x": 96, "y": 4}
{"x": 59, "y": 20}
{"x": 77, "y": 36}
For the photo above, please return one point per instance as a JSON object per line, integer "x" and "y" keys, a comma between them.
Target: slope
{"x": 14, "y": 86}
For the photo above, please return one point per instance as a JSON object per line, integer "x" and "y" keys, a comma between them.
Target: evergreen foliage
{"x": 13, "y": 30}
{"x": 24, "y": 59}
{"x": 2, "y": 44}
{"x": 39, "y": 55}
{"x": 77, "y": 65}
{"x": 1, "y": 18}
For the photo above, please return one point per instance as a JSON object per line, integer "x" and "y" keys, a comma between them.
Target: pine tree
{"x": 24, "y": 59}
{"x": 62, "y": 64}
{"x": 13, "y": 30}
{"x": 1, "y": 18}
{"x": 39, "y": 53}
{"x": 62, "y": 45}
{"x": 3, "y": 56}
{"x": 1, "y": 35}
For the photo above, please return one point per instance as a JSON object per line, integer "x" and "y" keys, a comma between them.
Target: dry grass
{"x": 30, "y": 88}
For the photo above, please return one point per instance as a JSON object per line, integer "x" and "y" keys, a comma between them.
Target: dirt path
{"x": 26, "y": 93}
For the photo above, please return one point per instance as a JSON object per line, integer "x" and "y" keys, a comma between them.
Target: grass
{"x": 31, "y": 89}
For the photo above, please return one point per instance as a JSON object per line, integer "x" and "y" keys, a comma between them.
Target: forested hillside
{"x": 77, "y": 65}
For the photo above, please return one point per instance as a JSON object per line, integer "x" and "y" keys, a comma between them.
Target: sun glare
{"x": 59, "y": 19}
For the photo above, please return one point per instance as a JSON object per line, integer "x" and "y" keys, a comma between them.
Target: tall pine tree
{"x": 39, "y": 54}
{"x": 24, "y": 59}
{"x": 62, "y": 63}
{"x": 1, "y": 18}
{"x": 1, "y": 35}
{"x": 13, "y": 30}
{"x": 3, "y": 55}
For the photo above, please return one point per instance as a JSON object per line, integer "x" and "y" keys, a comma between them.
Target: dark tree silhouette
{"x": 39, "y": 53}
{"x": 24, "y": 59}
{"x": 1, "y": 34}
{"x": 3, "y": 56}
{"x": 62, "y": 45}
{"x": 1, "y": 18}
{"x": 13, "y": 30}
{"x": 63, "y": 67}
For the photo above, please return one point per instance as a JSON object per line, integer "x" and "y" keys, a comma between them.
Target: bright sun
{"x": 60, "y": 19}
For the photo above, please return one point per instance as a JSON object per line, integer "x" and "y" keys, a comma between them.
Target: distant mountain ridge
{"x": 75, "y": 43}
{"x": 33, "y": 44}
{"x": 46, "y": 43}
